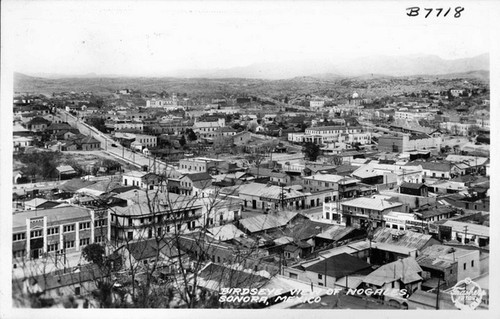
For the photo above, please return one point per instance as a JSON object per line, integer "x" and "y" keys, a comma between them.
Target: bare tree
{"x": 160, "y": 265}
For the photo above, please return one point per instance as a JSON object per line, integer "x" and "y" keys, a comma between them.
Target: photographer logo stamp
{"x": 467, "y": 295}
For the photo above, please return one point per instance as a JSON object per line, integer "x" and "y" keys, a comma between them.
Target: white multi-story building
{"x": 209, "y": 129}
{"x": 331, "y": 134}
{"x": 332, "y": 130}
{"x": 119, "y": 125}
{"x": 411, "y": 115}
{"x": 362, "y": 138}
{"x": 61, "y": 229}
{"x": 457, "y": 128}
{"x": 198, "y": 164}
{"x": 315, "y": 104}
{"x": 146, "y": 140}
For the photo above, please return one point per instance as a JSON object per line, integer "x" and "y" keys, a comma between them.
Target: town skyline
{"x": 248, "y": 155}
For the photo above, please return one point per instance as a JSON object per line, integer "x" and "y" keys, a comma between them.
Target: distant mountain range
{"x": 370, "y": 66}
{"x": 378, "y": 65}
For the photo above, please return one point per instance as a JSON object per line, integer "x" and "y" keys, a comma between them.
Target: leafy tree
{"x": 182, "y": 140}
{"x": 191, "y": 135}
{"x": 98, "y": 123}
{"x": 238, "y": 127}
{"x": 41, "y": 164}
{"x": 252, "y": 126}
{"x": 311, "y": 150}
{"x": 94, "y": 253}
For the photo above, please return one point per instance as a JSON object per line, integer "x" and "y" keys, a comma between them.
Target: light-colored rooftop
{"x": 472, "y": 229}
{"x": 405, "y": 270}
{"x": 268, "y": 191}
{"x": 371, "y": 203}
{"x": 325, "y": 178}
{"x": 135, "y": 174}
{"x": 53, "y": 214}
{"x": 225, "y": 232}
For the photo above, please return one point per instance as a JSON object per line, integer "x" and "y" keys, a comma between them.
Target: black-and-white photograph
{"x": 320, "y": 155}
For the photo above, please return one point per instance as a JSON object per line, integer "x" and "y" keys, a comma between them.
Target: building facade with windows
{"x": 138, "y": 221}
{"x": 362, "y": 211}
{"x": 57, "y": 230}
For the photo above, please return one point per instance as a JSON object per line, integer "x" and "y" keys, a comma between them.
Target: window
{"x": 320, "y": 284}
{"x": 18, "y": 236}
{"x": 320, "y": 276}
{"x": 69, "y": 244}
{"x": 327, "y": 215}
{"x": 102, "y": 222}
{"x": 52, "y": 247}
{"x": 150, "y": 233}
{"x": 451, "y": 271}
{"x": 53, "y": 231}
{"x": 99, "y": 239}
{"x": 130, "y": 235}
{"x": 36, "y": 233}
{"x": 465, "y": 266}
{"x": 69, "y": 228}
{"x": 77, "y": 291}
{"x": 85, "y": 225}
{"x": 19, "y": 253}
{"x": 472, "y": 263}
{"x": 293, "y": 276}
{"x": 84, "y": 241}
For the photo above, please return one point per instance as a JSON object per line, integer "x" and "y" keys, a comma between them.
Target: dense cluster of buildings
{"x": 283, "y": 201}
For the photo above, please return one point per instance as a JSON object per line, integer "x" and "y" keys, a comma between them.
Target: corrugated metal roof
{"x": 335, "y": 232}
{"x": 264, "y": 222}
{"x": 225, "y": 232}
{"x": 405, "y": 270}
{"x": 408, "y": 239}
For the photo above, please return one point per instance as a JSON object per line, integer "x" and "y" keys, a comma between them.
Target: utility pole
{"x": 282, "y": 197}
{"x": 325, "y": 270}
{"x": 437, "y": 297}
{"x": 370, "y": 235}
{"x": 465, "y": 235}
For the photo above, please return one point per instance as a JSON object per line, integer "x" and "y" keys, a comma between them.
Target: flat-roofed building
{"x": 64, "y": 228}
{"x": 359, "y": 212}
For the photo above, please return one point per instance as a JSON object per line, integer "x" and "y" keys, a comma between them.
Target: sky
{"x": 155, "y": 38}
